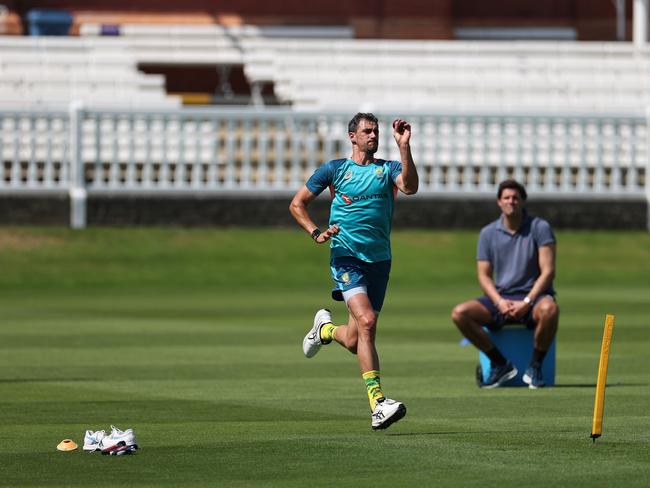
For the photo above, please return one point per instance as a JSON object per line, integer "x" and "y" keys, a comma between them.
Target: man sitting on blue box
{"x": 516, "y": 265}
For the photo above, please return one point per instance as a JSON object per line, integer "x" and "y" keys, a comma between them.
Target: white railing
{"x": 273, "y": 151}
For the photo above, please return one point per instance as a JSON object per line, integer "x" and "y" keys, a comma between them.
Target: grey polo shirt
{"x": 515, "y": 257}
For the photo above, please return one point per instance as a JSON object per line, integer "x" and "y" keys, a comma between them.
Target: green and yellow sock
{"x": 327, "y": 333}
{"x": 373, "y": 385}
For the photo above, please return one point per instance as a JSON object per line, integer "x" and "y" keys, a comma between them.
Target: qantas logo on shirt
{"x": 357, "y": 198}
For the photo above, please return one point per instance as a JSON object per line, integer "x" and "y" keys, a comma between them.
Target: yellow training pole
{"x": 599, "y": 404}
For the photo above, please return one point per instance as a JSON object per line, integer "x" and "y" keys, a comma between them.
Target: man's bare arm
{"x": 484, "y": 271}
{"x": 298, "y": 209}
{"x": 408, "y": 181}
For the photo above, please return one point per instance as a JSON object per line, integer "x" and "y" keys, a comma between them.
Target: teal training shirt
{"x": 363, "y": 198}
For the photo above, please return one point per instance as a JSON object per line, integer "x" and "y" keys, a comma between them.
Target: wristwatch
{"x": 527, "y": 300}
{"x": 315, "y": 233}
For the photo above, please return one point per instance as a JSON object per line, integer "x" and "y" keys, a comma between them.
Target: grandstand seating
{"x": 321, "y": 68}
{"x": 410, "y": 75}
{"x": 102, "y": 70}
{"x": 430, "y": 75}
{"x": 53, "y": 71}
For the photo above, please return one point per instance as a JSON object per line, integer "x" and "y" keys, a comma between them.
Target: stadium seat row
{"x": 344, "y": 73}
{"x": 439, "y": 74}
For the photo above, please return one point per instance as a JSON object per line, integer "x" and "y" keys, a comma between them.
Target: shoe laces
{"x": 96, "y": 436}
{"x": 379, "y": 403}
{"x": 116, "y": 431}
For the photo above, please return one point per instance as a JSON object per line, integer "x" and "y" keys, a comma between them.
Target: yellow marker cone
{"x": 599, "y": 404}
{"x": 67, "y": 445}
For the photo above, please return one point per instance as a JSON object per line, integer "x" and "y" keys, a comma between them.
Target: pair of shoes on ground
{"x": 386, "y": 411}
{"x": 501, "y": 374}
{"x": 118, "y": 441}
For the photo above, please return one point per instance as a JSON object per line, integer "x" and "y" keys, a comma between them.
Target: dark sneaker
{"x": 499, "y": 375}
{"x": 533, "y": 377}
{"x": 479, "y": 376}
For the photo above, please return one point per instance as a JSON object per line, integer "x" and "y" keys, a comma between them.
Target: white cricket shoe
{"x": 92, "y": 440}
{"x": 387, "y": 413}
{"x": 312, "y": 342}
{"x": 127, "y": 436}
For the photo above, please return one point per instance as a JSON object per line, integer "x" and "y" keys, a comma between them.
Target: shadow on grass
{"x": 44, "y": 380}
{"x": 593, "y": 385}
{"x": 466, "y": 432}
{"x": 93, "y": 411}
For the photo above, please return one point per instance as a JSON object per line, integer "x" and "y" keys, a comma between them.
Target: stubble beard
{"x": 370, "y": 151}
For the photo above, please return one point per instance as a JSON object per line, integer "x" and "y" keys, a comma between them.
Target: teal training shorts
{"x": 349, "y": 273}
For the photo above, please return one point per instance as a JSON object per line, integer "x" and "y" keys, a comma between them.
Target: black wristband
{"x": 315, "y": 233}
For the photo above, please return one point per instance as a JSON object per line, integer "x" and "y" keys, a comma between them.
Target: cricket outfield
{"x": 193, "y": 338}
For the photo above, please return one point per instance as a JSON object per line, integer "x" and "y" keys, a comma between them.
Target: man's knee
{"x": 457, "y": 313}
{"x": 548, "y": 310}
{"x": 367, "y": 324}
{"x": 460, "y": 313}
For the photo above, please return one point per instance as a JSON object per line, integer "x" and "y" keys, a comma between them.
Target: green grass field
{"x": 193, "y": 338}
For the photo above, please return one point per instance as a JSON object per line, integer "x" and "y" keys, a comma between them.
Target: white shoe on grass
{"x": 116, "y": 436}
{"x": 312, "y": 342}
{"x": 386, "y": 413}
{"x": 93, "y": 439}
{"x": 533, "y": 377}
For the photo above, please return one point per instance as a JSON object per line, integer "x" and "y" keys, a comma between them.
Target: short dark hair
{"x": 511, "y": 184}
{"x": 353, "y": 125}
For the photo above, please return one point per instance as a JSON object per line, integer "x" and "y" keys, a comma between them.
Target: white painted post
{"x": 647, "y": 166}
{"x": 620, "y": 20}
{"x": 640, "y": 33}
{"x": 77, "y": 192}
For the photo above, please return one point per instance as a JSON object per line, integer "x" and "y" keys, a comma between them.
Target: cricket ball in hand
{"x": 399, "y": 128}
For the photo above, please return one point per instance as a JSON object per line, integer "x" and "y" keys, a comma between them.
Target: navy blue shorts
{"x": 349, "y": 273}
{"x": 498, "y": 320}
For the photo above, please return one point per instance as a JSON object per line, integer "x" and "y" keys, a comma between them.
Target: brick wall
{"x": 416, "y": 19}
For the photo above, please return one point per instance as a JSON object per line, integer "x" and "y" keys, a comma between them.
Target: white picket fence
{"x": 245, "y": 151}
